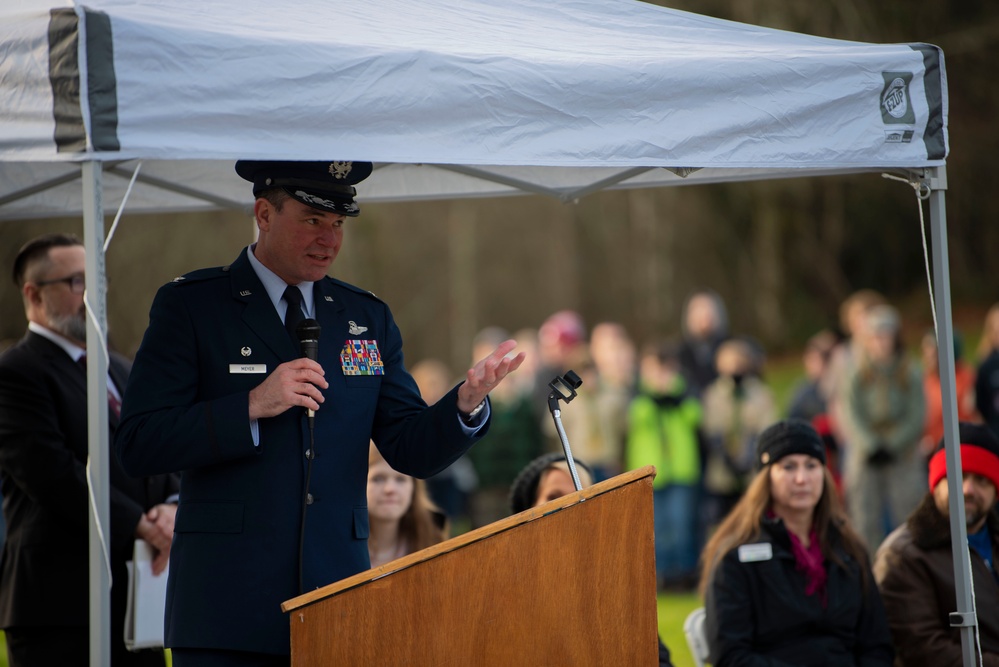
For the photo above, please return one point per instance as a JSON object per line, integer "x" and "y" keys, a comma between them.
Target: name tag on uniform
{"x": 247, "y": 368}
{"x": 752, "y": 553}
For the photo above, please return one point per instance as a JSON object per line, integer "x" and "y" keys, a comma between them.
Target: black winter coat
{"x": 759, "y": 616}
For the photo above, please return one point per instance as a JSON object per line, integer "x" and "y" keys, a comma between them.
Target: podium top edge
{"x": 470, "y": 537}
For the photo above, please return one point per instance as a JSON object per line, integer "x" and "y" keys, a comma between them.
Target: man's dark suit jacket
{"x": 213, "y": 336}
{"x": 44, "y": 576}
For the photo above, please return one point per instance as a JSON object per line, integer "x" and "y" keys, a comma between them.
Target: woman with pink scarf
{"x": 786, "y": 580}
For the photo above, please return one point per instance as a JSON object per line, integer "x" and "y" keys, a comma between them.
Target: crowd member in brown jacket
{"x": 914, "y": 567}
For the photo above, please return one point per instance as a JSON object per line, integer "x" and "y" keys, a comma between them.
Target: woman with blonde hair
{"x": 786, "y": 580}
{"x": 401, "y": 516}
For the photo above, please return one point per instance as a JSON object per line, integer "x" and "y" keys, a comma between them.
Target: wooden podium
{"x": 571, "y": 582}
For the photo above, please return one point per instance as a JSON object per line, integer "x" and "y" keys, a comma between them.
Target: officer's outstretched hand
{"x": 292, "y": 383}
{"x": 485, "y": 375}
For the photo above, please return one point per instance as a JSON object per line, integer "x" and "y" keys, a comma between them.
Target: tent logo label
{"x": 898, "y": 136}
{"x": 895, "y": 106}
{"x": 893, "y": 100}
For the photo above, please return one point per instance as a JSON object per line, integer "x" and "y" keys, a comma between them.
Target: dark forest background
{"x": 782, "y": 254}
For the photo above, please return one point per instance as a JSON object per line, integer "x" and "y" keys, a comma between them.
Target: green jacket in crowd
{"x": 662, "y": 432}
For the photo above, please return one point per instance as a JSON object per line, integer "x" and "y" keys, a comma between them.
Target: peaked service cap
{"x": 328, "y": 186}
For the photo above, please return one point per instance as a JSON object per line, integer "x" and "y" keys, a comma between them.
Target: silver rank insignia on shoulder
{"x": 356, "y": 330}
{"x": 245, "y": 292}
{"x": 245, "y": 351}
{"x": 329, "y": 298}
{"x": 340, "y": 169}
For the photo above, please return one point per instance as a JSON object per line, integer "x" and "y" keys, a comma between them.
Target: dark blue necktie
{"x": 294, "y": 315}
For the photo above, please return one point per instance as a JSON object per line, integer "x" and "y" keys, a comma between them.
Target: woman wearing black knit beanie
{"x": 786, "y": 579}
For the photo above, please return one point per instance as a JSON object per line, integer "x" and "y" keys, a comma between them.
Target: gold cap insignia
{"x": 340, "y": 169}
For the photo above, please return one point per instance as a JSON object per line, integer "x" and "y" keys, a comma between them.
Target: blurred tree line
{"x": 782, "y": 254}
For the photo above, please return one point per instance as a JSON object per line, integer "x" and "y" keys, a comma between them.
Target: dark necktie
{"x": 294, "y": 315}
{"x": 114, "y": 405}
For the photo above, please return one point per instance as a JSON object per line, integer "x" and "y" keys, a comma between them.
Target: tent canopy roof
{"x": 566, "y": 98}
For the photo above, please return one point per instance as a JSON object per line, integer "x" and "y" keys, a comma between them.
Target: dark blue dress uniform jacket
{"x": 234, "y": 557}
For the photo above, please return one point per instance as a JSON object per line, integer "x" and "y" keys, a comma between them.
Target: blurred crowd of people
{"x": 694, "y": 405}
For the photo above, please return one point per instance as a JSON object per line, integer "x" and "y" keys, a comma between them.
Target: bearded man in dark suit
{"x": 44, "y": 576}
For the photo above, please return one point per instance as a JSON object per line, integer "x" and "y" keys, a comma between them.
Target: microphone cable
{"x": 307, "y": 331}
{"x": 310, "y": 454}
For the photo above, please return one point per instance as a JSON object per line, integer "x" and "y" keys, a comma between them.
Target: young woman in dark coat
{"x": 786, "y": 580}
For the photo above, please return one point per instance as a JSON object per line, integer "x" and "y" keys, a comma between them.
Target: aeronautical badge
{"x": 355, "y": 330}
{"x": 339, "y": 170}
{"x": 361, "y": 357}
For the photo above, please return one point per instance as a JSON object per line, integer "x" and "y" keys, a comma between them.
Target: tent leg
{"x": 97, "y": 413}
{"x": 965, "y": 618}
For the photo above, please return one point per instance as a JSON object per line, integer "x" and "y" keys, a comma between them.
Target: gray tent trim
{"x": 933, "y": 137}
{"x": 64, "y": 75}
{"x": 101, "y": 83}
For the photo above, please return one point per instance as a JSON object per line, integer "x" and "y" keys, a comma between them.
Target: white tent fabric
{"x": 450, "y": 98}
{"x": 580, "y": 91}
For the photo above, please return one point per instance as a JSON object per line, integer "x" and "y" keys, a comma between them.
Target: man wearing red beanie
{"x": 914, "y": 567}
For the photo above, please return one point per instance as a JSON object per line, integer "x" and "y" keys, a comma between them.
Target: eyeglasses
{"x": 77, "y": 283}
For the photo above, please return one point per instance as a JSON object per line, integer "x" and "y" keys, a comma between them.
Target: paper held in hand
{"x": 146, "y": 600}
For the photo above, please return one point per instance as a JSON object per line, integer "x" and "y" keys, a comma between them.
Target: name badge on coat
{"x": 753, "y": 553}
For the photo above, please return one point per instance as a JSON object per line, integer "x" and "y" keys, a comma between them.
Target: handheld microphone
{"x": 308, "y": 332}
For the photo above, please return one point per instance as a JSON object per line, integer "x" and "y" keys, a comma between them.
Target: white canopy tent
{"x": 449, "y": 99}
{"x": 521, "y": 93}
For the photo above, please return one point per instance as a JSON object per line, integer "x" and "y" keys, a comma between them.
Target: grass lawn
{"x": 673, "y": 611}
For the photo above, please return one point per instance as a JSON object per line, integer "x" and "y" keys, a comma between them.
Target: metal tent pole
{"x": 965, "y": 617}
{"x": 97, "y": 417}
